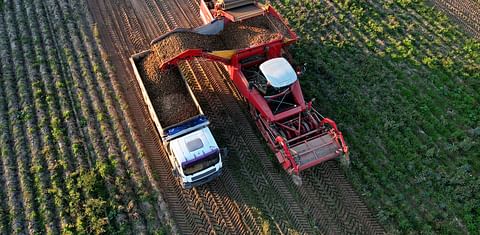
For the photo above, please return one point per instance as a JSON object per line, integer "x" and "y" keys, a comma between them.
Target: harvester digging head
{"x": 305, "y": 141}
{"x": 299, "y": 135}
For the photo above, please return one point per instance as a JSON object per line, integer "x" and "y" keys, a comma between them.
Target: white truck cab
{"x": 192, "y": 150}
{"x": 197, "y": 157}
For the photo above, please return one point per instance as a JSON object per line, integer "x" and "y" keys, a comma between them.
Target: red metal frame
{"x": 283, "y": 131}
{"x": 338, "y": 132}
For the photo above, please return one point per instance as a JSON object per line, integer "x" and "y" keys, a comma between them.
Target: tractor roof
{"x": 278, "y": 72}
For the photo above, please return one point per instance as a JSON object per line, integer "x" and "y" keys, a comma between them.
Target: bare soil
{"x": 229, "y": 204}
{"x": 238, "y": 35}
{"x": 168, "y": 92}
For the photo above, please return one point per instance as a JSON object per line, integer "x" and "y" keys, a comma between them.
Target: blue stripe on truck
{"x": 191, "y": 123}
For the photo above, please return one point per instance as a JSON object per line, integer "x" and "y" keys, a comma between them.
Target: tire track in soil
{"x": 246, "y": 140}
{"x": 353, "y": 211}
{"x": 151, "y": 143}
{"x": 207, "y": 206}
{"x": 165, "y": 11}
{"x": 210, "y": 104}
{"x": 337, "y": 194}
{"x": 294, "y": 210}
{"x": 277, "y": 182}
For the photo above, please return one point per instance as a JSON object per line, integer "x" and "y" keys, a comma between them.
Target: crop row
{"x": 403, "y": 83}
{"x": 67, "y": 156}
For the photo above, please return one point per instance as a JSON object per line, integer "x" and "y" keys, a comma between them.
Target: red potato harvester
{"x": 298, "y": 134}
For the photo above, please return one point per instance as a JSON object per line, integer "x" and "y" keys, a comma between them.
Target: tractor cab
{"x": 274, "y": 79}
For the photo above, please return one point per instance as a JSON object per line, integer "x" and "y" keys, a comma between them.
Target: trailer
{"x": 180, "y": 122}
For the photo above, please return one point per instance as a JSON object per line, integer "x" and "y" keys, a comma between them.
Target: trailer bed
{"x": 171, "y": 102}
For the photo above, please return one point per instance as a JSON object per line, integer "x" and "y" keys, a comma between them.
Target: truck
{"x": 180, "y": 122}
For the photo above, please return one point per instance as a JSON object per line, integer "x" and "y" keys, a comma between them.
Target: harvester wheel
{"x": 345, "y": 160}
{"x": 297, "y": 180}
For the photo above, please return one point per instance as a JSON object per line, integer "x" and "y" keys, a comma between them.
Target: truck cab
{"x": 197, "y": 157}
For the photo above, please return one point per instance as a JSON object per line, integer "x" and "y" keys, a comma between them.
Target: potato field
{"x": 69, "y": 163}
{"x": 79, "y": 153}
{"x": 404, "y": 82}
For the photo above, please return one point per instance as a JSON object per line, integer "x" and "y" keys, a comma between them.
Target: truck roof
{"x": 194, "y": 146}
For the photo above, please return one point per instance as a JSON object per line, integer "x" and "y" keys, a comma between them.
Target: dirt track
{"x": 253, "y": 195}
{"x": 464, "y": 12}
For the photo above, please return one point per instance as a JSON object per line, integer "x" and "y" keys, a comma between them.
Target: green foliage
{"x": 95, "y": 212}
{"x": 403, "y": 84}
{"x": 162, "y": 231}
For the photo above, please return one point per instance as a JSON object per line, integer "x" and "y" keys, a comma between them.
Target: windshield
{"x": 201, "y": 164}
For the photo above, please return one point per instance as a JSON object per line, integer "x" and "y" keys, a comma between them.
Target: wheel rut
{"x": 253, "y": 194}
